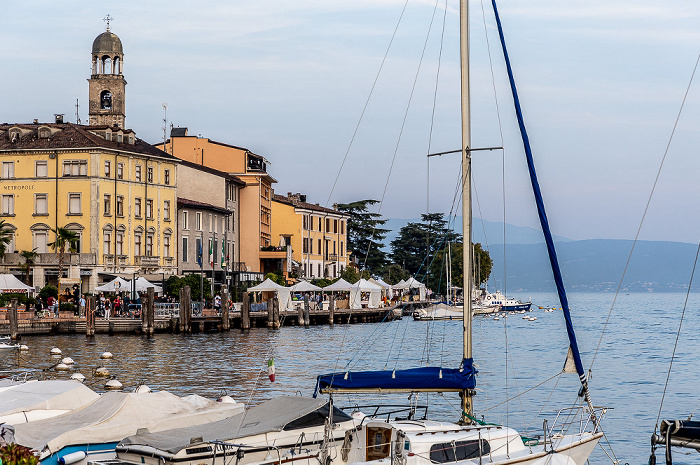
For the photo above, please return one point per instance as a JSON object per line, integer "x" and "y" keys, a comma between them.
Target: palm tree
{"x": 64, "y": 238}
{"x": 29, "y": 261}
{"x": 6, "y": 234}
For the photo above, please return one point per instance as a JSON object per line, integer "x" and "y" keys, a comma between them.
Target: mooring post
{"x": 245, "y": 312}
{"x": 276, "y": 313}
{"x": 301, "y": 310}
{"x": 151, "y": 306}
{"x": 270, "y": 312}
{"x": 331, "y": 310}
{"x": 14, "y": 322}
{"x": 307, "y": 318}
{"x": 225, "y": 322}
{"x": 185, "y": 309}
{"x": 90, "y": 316}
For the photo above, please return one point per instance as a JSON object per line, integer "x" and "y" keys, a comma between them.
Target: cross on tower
{"x": 107, "y": 19}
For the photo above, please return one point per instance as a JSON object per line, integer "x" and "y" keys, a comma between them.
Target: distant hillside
{"x": 596, "y": 266}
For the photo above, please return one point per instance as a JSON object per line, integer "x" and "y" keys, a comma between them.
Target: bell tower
{"x": 107, "y": 83}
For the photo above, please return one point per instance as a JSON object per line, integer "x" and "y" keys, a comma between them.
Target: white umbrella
{"x": 115, "y": 285}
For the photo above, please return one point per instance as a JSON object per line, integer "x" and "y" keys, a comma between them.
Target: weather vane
{"x": 107, "y": 19}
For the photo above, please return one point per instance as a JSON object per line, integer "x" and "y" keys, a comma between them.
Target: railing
{"x": 168, "y": 261}
{"x": 262, "y": 307}
{"x": 272, "y": 248}
{"x": 332, "y": 257}
{"x": 571, "y": 418}
{"x": 108, "y": 259}
{"x": 123, "y": 260}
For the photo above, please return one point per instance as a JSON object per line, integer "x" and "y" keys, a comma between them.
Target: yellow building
{"x": 116, "y": 192}
{"x": 317, "y": 235}
{"x": 255, "y": 202}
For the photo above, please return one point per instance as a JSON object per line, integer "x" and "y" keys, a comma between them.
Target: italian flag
{"x": 271, "y": 369}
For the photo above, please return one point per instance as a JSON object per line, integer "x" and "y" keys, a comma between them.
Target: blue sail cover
{"x": 540, "y": 209}
{"x": 434, "y": 379}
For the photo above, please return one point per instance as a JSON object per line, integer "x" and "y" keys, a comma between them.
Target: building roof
{"x": 107, "y": 43}
{"x": 200, "y": 205}
{"x": 207, "y": 169}
{"x": 308, "y": 206}
{"x": 72, "y": 136}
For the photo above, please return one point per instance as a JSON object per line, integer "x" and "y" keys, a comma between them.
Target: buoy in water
{"x": 101, "y": 372}
{"x": 56, "y": 351}
{"x": 113, "y": 385}
{"x": 106, "y": 355}
{"x": 24, "y": 347}
{"x": 532, "y": 318}
{"x": 142, "y": 388}
{"x": 71, "y": 458}
{"x": 78, "y": 377}
{"x": 226, "y": 400}
{"x": 62, "y": 367}
{"x": 67, "y": 361}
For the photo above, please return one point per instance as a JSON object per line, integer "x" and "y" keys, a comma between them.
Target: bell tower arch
{"x": 107, "y": 84}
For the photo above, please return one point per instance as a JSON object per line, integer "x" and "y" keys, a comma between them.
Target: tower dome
{"x": 107, "y": 43}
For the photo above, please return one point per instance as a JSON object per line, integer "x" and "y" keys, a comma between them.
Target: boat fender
{"x": 393, "y": 374}
{"x": 441, "y": 373}
{"x": 73, "y": 457}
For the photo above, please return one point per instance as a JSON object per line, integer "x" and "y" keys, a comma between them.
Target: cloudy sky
{"x": 601, "y": 83}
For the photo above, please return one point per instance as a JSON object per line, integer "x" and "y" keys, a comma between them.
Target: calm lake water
{"x": 628, "y": 375}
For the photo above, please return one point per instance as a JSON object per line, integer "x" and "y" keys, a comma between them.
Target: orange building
{"x": 257, "y": 252}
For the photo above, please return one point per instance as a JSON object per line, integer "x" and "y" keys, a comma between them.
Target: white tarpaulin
{"x": 115, "y": 415}
{"x": 116, "y": 285}
{"x": 9, "y": 283}
{"x": 34, "y": 400}
{"x": 412, "y": 283}
{"x": 339, "y": 285}
{"x": 375, "y": 294}
{"x": 400, "y": 285}
{"x": 304, "y": 286}
{"x": 284, "y": 296}
{"x": 387, "y": 287}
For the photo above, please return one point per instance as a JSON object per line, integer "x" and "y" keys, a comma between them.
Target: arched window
{"x": 106, "y": 100}
{"x": 138, "y": 242}
{"x": 107, "y": 239}
{"x": 106, "y": 65}
{"x": 167, "y": 236}
{"x": 40, "y": 237}
{"x": 78, "y": 230}
{"x": 121, "y": 229}
{"x": 117, "y": 66}
{"x": 10, "y": 247}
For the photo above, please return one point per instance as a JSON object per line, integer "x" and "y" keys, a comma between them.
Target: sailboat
{"x": 411, "y": 441}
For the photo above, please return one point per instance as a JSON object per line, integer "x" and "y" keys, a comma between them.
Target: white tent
{"x": 387, "y": 287}
{"x": 375, "y": 293}
{"x": 413, "y": 283}
{"x": 9, "y": 283}
{"x": 284, "y": 296}
{"x": 400, "y": 285}
{"x": 339, "y": 285}
{"x": 115, "y": 285}
{"x": 142, "y": 285}
{"x": 304, "y": 286}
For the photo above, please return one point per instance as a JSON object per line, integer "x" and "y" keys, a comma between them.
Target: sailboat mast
{"x": 467, "y": 407}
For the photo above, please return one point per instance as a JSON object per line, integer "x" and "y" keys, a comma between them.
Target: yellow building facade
{"x": 317, "y": 235}
{"x": 116, "y": 192}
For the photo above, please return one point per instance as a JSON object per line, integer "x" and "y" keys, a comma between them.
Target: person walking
{"x": 108, "y": 304}
{"x": 81, "y": 307}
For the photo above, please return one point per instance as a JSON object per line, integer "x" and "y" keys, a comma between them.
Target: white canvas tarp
{"x": 387, "y": 287}
{"x": 284, "y": 296}
{"x": 339, "y": 285}
{"x": 42, "y": 399}
{"x": 116, "y": 415}
{"x": 116, "y": 285}
{"x": 9, "y": 283}
{"x": 304, "y": 286}
{"x": 400, "y": 285}
{"x": 142, "y": 285}
{"x": 375, "y": 294}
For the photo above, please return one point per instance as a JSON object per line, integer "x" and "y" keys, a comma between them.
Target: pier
{"x": 206, "y": 321}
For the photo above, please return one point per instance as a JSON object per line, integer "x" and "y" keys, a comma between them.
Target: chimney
{"x": 59, "y": 118}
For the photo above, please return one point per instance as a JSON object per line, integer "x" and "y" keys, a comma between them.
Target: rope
{"x": 524, "y": 392}
{"x": 646, "y": 209}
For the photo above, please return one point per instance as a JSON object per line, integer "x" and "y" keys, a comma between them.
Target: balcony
{"x": 332, "y": 257}
{"x": 273, "y": 252}
{"x": 168, "y": 261}
{"x": 122, "y": 260}
{"x": 108, "y": 260}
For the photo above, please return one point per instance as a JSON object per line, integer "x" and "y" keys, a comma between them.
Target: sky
{"x": 330, "y": 90}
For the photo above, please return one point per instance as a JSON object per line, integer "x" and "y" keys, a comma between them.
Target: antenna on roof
{"x": 165, "y": 123}
{"x": 77, "y": 115}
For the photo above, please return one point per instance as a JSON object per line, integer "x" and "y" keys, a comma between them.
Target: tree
{"x": 417, "y": 243}
{"x": 351, "y": 275}
{"x": 365, "y": 234}
{"x": 481, "y": 267}
{"x": 394, "y": 273}
{"x": 174, "y": 284}
{"x": 276, "y": 278}
{"x": 29, "y": 261}
{"x": 64, "y": 238}
{"x": 6, "y": 234}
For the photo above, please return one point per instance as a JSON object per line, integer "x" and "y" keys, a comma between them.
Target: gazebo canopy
{"x": 115, "y": 285}
{"x": 267, "y": 286}
{"x": 9, "y": 283}
{"x": 304, "y": 286}
{"x": 142, "y": 285}
{"x": 339, "y": 285}
{"x": 400, "y": 285}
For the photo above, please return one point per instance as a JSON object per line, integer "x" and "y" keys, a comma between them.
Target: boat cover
{"x": 57, "y": 395}
{"x": 435, "y": 379}
{"x": 272, "y": 415}
{"x": 115, "y": 415}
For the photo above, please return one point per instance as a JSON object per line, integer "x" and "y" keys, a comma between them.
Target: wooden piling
{"x": 151, "y": 312}
{"x": 270, "y": 312}
{"x": 245, "y": 312}
{"x": 225, "y": 322}
{"x": 304, "y": 311}
{"x": 185, "y": 309}
{"x": 276, "y": 313}
{"x": 331, "y": 310}
{"x": 14, "y": 320}
{"x": 90, "y": 316}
